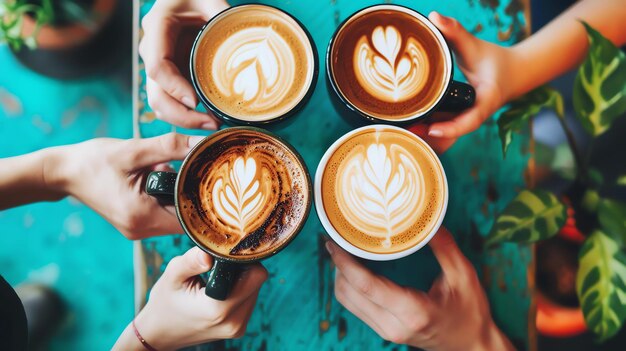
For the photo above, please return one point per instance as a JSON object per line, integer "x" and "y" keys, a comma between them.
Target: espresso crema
{"x": 383, "y": 190}
{"x": 244, "y": 194}
{"x": 254, "y": 63}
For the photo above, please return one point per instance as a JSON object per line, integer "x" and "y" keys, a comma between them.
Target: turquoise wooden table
{"x": 296, "y": 309}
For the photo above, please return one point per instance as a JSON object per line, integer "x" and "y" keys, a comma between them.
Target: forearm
{"x": 492, "y": 338}
{"x": 562, "y": 44}
{"x": 30, "y": 178}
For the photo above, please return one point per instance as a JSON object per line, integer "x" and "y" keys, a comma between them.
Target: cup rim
{"x": 440, "y": 38}
{"x": 334, "y": 234}
{"x": 237, "y": 121}
{"x": 297, "y": 230}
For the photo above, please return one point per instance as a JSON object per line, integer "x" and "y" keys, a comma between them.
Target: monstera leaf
{"x": 601, "y": 285}
{"x": 533, "y": 215}
{"x": 612, "y": 218}
{"x": 600, "y": 88}
{"x": 522, "y": 110}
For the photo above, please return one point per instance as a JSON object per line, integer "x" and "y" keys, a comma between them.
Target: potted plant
{"x": 64, "y": 38}
{"x": 582, "y": 219}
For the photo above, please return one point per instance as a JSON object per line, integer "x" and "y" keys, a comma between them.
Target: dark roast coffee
{"x": 244, "y": 194}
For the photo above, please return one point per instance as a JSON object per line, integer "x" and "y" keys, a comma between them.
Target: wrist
{"x": 149, "y": 326}
{"x": 54, "y": 170}
{"x": 492, "y": 338}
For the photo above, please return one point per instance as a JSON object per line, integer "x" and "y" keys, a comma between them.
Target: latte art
{"x": 386, "y": 62}
{"x": 259, "y": 67}
{"x": 237, "y": 195}
{"x": 253, "y": 63}
{"x": 244, "y": 195}
{"x": 385, "y": 71}
{"x": 380, "y": 187}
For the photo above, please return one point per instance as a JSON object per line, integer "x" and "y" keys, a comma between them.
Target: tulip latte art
{"x": 254, "y": 63}
{"x": 244, "y": 195}
{"x": 383, "y": 190}
{"x": 388, "y": 64}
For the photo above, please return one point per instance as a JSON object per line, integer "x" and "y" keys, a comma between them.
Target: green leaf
{"x": 621, "y": 180}
{"x": 533, "y": 215}
{"x": 599, "y": 89}
{"x": 522, "y": 110}
{"x": 601, "y": 285}
{"x": 612, "y": 218}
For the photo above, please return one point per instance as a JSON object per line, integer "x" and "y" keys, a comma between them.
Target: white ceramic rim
{"x": 433, "y": 29}
{"x": 330, "y": 229}
{"x": 299, "y": 30}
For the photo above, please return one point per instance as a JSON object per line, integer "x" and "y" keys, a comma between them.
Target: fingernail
{"x": 209, "y": 126}
{"x": 188, "y": 102}
{"x": 194, "y": 139}
{"x": 201, "y": 258}
{"x": 441, "y": 18}
{"x": 330, "y": 248}
{"x": 435, "y": 133}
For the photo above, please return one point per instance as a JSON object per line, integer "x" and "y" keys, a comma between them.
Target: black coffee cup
{"x": 455, "y": 96}
{"x": 227, "y": 19}
{"x": 166, "y": 186}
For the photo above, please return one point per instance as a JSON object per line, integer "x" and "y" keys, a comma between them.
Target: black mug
{"x": 452, "y": 97}
{"x": 167, "y": 187}
{"x": 214, "y": 36}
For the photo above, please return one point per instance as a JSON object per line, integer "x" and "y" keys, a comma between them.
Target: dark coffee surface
{"x": 243, "y": 194}
{"x": 389, "y": 64}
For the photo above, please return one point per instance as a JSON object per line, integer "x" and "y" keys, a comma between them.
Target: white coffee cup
{"x": 336, "y": 236}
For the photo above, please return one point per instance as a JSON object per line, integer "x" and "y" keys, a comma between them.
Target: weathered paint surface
{"x": 296, "y": 308}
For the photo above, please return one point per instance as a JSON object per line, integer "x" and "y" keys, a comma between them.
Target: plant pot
{"x": 72, "y": 50}
{"x": 558, "y": 309}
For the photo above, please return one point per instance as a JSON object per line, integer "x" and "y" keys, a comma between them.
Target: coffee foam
{"x": 398, "y": 68}
{"x": 383, "y": 190}
{"x": 243, "y": 195}
{"x": 254, "y": 63}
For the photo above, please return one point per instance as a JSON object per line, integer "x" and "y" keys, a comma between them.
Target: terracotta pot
{"x": 73, "y": 50}
{"x": 558, "y": 310}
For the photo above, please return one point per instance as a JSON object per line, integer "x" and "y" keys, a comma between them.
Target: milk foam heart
{"x": 256, "y": 64}
{"x": 253, "y": 63}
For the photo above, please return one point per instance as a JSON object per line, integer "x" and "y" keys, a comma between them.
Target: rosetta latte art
{"x": 259, "y": 67}
{"x": 239, "y": 198}
{"x": 380, "y": 188}
{"x": 388, "y": 71}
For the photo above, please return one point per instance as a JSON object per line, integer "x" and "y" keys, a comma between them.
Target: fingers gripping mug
{"x": 389, "y": 64}
{"x": 241, "y": 195}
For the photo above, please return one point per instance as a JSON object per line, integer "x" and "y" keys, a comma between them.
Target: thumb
{"x": 461, "y": 41}
{"x": 163, "y": 148}
{"x": 193, "y": 262}
{"x": 452, "y": 261}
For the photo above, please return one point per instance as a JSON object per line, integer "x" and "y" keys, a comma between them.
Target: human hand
{"x": 109, "y": 176}
{"x": 179, "y": 314}
{"x": 487, "y": 67}
{"x": 170, "y": 94}
{"x": 453, "y": 315}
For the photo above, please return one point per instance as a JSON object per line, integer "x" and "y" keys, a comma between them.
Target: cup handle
{"x": 161, "y": 185}
{"x": 459, "y": 97}
{"x": 221, "y": 279}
